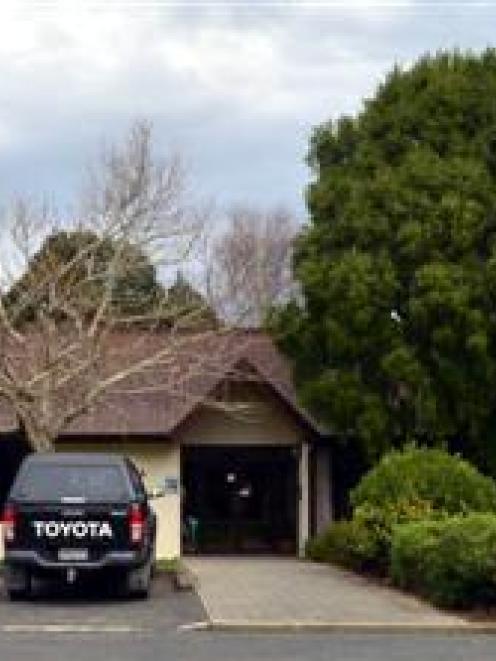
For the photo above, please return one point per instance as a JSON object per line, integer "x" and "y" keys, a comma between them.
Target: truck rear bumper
{"x": 116, "y": 559}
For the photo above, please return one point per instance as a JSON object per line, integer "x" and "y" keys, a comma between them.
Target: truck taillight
{"x": 9, "y": 523}
{"x": 136, "y": 524}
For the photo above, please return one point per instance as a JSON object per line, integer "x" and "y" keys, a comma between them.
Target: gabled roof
{"x": 156, "y": 401}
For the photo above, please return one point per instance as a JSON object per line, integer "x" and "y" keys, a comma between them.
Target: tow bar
{"x": 71, "y": 575}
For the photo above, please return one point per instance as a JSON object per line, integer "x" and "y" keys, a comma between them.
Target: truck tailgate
{"x": 82, "y": 533}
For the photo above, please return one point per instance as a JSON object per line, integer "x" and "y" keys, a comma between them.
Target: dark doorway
{"x": 13, "y": 449}
{"x": 239, "y": 500}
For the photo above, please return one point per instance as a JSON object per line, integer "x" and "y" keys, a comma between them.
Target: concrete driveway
{"x": 278, "y": 591}
{"x": 93, "y": 610}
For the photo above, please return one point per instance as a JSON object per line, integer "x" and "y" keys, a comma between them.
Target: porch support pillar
{"x": 304, "y": 498}
{"x": 323, "y": 488}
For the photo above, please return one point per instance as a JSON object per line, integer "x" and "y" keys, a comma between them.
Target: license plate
{"x": 73, "y": 555}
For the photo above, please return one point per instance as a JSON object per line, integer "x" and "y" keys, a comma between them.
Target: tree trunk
{"x": 37, "y": 437}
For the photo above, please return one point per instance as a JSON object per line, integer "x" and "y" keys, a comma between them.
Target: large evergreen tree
{"x": 136, "y": 291}
{"x": 88, "y": 260}
{"x": 395, "y": 332}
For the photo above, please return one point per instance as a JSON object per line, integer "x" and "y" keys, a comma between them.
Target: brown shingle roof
{"x": 158, "y": 399}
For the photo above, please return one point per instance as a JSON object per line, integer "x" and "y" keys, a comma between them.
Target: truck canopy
{"x": 58, "y": 477}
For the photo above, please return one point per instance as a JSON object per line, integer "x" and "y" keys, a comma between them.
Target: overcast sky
{"x": 235, "y": 86}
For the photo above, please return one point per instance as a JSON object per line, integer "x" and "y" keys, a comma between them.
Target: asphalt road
{"x": 198, "y": 646}
{"x": 93, "y": 625}
{"x": 98, "y": 609}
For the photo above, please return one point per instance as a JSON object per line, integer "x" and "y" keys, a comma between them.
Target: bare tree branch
{"x": 61, "y": 297}
{"x": 249, "y": 264}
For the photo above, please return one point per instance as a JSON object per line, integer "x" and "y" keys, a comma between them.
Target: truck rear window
{"x": 52, "y": 482}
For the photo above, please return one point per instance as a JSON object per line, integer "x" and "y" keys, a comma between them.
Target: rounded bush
{"x": 452, "y": 562}
{"x": 446, "y": 482}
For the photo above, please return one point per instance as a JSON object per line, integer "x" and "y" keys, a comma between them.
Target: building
{"x": 216, "y": 426}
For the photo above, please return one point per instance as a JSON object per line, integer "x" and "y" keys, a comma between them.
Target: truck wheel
{"x": 17, "y": 583}
{"x": 138, "y": 581}
{"x": 153, "y": 562}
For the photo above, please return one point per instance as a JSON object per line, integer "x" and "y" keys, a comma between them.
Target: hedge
{"x": 451, "y": 562}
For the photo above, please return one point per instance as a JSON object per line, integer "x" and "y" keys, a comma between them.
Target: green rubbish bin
{"x": 193, "y": 526}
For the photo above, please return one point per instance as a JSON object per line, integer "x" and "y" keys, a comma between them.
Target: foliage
{"x": 412, "y": 485}
{"x": 185, "y": 302}
{"x": 424, "y": 478}
{"x": 136, "y": 290}
{"x": 350, "y": 544}
{"x": 135, "y": 286}
{"x": 363, "y": 543}
{"x": 452, "y": 562}
{"x": 168, "y": 565}
{"x": 380, "y": 523}
{"x": 394, "y": 333}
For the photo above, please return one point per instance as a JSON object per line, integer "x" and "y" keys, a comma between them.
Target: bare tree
{"x": 60, "y": 315}
{"x": 249, "y": 264}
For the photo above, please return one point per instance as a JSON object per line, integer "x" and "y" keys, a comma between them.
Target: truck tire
{"x": 138, "y": 581}
{"x": 153, "y": 561}
{"x": 17, "y": 583}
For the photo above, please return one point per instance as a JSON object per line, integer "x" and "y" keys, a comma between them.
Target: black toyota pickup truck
{"x": 71, "y": 514}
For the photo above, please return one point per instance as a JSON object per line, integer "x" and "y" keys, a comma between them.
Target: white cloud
{"x": 83, "y": 47}
{"x": 237, "y": 84}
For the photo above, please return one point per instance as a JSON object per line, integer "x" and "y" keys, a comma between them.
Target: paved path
{"x": 288, "y": 591}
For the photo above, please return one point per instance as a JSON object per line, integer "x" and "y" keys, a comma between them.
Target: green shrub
{"x": 406, "y": 486}
{"x": 347, "y": 543}
{"x": 417, "y": 484}
{"x": 380, "y": 522}
{"x": 364, "y": 542}
{"x": 452, "y": 562}
{"x": 416, "y": 475}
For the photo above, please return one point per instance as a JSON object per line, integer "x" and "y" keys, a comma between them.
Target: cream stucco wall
{"x": 158, "y": 460}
